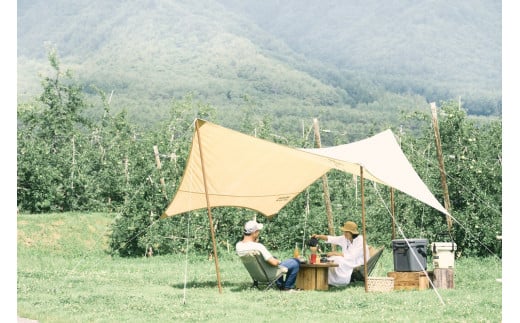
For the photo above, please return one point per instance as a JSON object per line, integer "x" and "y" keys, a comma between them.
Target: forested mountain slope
{"x": 346, "y": 61}
{"x": 439, "y": 44}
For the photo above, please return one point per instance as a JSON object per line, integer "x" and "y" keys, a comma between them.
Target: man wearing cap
{"x": 350, "y": 256}
{"x": 250, "y": 242}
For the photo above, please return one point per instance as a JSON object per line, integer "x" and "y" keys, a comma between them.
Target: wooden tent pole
{"x": 325, "y": 181}
{"x": 440, "y": 158}
{"x": 364, "y": 227}
{"x": 392, "y": 210}
{"x": 215, "y": 255}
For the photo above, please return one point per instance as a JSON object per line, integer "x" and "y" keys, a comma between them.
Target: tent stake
{"x": 209, "y": 208}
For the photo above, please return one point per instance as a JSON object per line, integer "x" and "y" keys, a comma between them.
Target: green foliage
{"x": 137, "y": 226}
{"x": 473, "y": 159}
{"x": 473, "y": 164}
{"x": 51, "y": 140}
{"x": 67, "y": 162}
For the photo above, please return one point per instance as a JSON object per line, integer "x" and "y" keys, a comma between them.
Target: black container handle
{"x": 445, "y": 234}
{"x": 452, "y": 247}
{"x": 421, "y": 252}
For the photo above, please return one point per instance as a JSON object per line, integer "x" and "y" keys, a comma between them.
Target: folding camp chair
{"x": 261, "y": 271}
{"x": 358, "y": 274}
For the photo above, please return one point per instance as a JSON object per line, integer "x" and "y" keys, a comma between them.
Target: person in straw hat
{"x": 350, "y": 256}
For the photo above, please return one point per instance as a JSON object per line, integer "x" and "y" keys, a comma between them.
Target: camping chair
{"x": 359, "y": 272}
{"x": 260, "y": 270}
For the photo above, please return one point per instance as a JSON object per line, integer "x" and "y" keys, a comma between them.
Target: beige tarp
{"x": 238, "y": 170}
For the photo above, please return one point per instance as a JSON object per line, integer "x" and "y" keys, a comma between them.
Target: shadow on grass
{"x": 352, "y": 285}
{"x": 233, "y": 286}
{"x": 248, "y": 286}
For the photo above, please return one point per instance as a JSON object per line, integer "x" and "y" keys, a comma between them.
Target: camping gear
{"x": 260, "y": 271}
{"x": 358, "y": 274}
{"x": 313, "y": 242}
{"x": 380, "y": 284}
{"x": 410, "y": 280}
{"x": 313, "y": 255}
{"x": 409, "y": 254}
{"x": 227, "y": 168}
{"x": 314, "y": 258}
{"x": 443, "y": 254}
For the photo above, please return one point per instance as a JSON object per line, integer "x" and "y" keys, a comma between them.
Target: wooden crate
{"x": 409, "y": 280}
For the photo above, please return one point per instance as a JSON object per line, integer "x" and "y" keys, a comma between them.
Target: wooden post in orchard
{"x": 441, "y": 164}
{"x": 158, "y": 163}
{"x": 326, "y": 194}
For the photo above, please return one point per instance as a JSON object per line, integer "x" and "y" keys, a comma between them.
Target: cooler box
{"x": 404, "y": 259}
{"x": 443, "y": 254}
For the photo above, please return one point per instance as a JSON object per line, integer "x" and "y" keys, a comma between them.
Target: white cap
{"x": 252, "y": 226}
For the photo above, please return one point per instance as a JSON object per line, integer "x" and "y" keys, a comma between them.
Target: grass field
{"x": 65, "y": 275}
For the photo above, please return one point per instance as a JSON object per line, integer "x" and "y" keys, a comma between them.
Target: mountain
{"x": 452, "y": 43}
{"x": 338, "y": 59}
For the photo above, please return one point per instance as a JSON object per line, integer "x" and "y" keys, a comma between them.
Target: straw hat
{"x": 350, "y": 227}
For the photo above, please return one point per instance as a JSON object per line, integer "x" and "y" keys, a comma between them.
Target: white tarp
{"x": 383, "y": 157}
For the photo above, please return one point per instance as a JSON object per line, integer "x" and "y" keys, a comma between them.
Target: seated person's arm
{"x": 273, "y": 261}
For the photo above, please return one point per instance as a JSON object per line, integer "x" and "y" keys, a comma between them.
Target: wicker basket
{"x": 380, "y": 284}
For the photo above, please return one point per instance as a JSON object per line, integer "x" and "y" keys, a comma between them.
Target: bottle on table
{"x": 296, "y": 253}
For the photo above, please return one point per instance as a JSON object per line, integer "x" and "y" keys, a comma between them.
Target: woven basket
{"x": 380, "y": 284}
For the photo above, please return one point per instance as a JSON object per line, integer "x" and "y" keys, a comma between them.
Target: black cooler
{"x": 409, "y": 256}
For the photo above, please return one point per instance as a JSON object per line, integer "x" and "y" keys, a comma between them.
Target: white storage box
{"x": 443, "y": 254}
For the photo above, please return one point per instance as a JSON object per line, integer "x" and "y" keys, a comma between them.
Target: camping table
{"x": 314, "y": 276}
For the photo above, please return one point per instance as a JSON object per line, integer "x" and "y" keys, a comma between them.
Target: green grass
{"x": 65, "y": 275}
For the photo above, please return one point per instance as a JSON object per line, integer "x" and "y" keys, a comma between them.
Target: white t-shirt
{"x": 242, "y": 248}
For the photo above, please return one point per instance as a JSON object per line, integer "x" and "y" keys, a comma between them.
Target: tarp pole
{"x": 215, "y": 255}
{"x": 392, "y": 210}
{"x": 364, "y": 227}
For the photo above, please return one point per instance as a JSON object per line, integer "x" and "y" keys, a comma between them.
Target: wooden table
{"x": 314, "y": 277}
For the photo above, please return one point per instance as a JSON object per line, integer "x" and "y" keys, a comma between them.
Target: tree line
{"x": 70, "y": 160}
